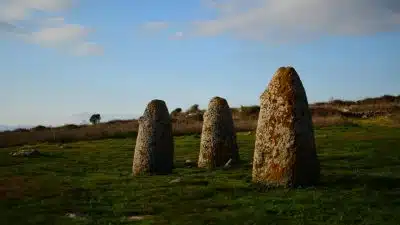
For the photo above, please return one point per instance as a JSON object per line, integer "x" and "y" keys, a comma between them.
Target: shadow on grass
{"x": 379, "y": 183}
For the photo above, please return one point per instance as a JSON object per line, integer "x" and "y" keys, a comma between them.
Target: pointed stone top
{"x": 155, "y": 106}
{"x": 283, "y": 83}
{"x": 284, "y": 74}
{"x": 285, "y": 69}
{"x": 156, "y": 102}
{"x": 217, "y": 101}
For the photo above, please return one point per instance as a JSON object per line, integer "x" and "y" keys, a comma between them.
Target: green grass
{"x": 360, "y": 185}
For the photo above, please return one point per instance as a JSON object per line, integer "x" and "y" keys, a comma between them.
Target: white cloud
{"x": 293, "y": 19}
{"x": 60, "y": 34}
{"x": 48, "y": 31}
{"x": 11, "y": 10}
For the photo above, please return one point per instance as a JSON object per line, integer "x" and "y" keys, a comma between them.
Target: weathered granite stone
{"x": 154, "y": 150}
{"x": 285, "y": 152}
{"x": 218, "y": 138}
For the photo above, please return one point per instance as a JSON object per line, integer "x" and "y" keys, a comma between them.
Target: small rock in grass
{"x": 75, "y": 216}
{"x": 138, "y": 218}
{"x": 228, "y": 164}
{"x": 25, "y": 153}
{"x": 174, "y": 181}
{"x": 189, "y": 163}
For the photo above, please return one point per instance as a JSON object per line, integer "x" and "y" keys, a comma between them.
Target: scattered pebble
{"x": 177, "y": 180}
{"x": 25, "y": 153}
{"x": 228, "y": 164}
{"x": 189, "y": 163}
{"x": 137, "y": 218}
{"x": 75, "y": 216}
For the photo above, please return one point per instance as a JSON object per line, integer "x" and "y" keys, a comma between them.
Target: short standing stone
{"x": 154, "y": 150}
{"x": 218, "y": 138}
{"x": 285, "y": 152}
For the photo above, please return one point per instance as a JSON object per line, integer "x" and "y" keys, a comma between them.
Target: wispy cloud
{"x": 49, "y": 31}
{"x": 290, "y": 20}
{"x": 13, "y": 10}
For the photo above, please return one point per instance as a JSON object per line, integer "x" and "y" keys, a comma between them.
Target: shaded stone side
{"x": 285, "y": 151}
{"x": 154, "y": 149}
{"x": 218, "y": 138}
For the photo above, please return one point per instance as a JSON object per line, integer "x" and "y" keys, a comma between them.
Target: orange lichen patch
{"x": 276, "y": 172}
{"x": 281, "y": 86}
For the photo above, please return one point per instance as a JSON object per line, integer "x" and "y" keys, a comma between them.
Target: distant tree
{"x": 176, "y": 111}
{"x": 194, "y": 108}
{"x": 95, "y": 119}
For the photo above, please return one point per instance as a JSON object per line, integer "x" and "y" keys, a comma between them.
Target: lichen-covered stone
{"x": 285, "y": 152}
{"x": 218, "y": 138}
{"x": 154, "y": 150}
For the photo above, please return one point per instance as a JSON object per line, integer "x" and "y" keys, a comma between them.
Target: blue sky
{"x": 63, "y": 60}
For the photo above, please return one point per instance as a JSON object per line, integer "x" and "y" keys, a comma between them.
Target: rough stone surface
{"x": 285, "y": 152}
{"x": 218, "y": 138}
{"x": 154, "y": 150}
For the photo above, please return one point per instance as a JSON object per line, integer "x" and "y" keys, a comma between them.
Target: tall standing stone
{"x": 154, "y": 150}
{"x": 285, "y": 152}
{"x": 218, "y": 138}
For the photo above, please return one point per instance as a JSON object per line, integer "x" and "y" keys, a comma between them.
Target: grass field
{"x": 360, "y": 185}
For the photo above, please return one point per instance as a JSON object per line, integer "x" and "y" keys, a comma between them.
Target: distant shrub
{"x": 20, "y": 130}
{"x": 176, "y": 112}
{"x": 70, "y": 126}
{"x": 39, "y": 128}
{"x": 249, "y": 110}
{"x": 339, "y": 102}
{"x": 193, "y": 109}
{"x": 118, "y": 121}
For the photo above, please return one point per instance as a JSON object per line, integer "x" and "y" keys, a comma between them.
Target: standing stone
{"x": 218, "y": 138}
{"x": 285, "y": 152}
{"x": 154, "y": 150}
